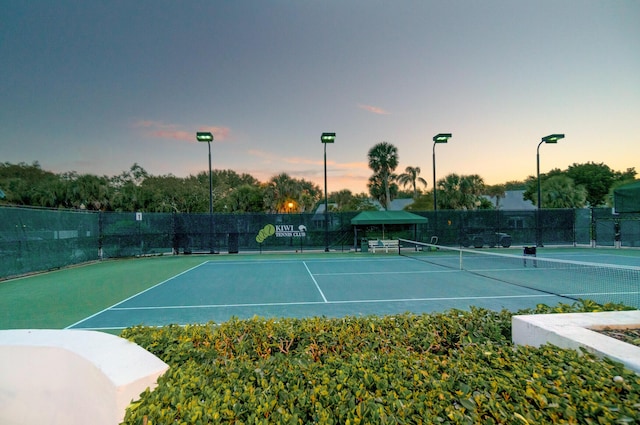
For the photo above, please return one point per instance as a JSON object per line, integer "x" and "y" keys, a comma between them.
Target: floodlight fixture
{"x": 441, "y": 138}
{"x": 326, "y": 138}
{"x": 552, "y": 138}
{"x": 206, "y": 136}
{"x": 438, "y": 138}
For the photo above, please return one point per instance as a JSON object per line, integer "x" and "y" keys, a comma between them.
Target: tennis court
{"x": 182, "y": 289}
{"x": 335, "y": 285}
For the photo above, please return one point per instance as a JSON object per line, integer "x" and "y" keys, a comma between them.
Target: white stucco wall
{"x": 71, "y": 376}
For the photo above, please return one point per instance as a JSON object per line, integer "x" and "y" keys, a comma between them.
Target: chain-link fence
{"x": 38, "y": 239}
{"x": 34, "y": 240}
{"x": 618, "y": 230}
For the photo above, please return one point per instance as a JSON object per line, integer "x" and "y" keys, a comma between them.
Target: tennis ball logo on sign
{"x": 265, "y": 232}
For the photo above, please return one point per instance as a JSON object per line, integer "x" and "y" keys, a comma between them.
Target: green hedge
{"x": 457, "y": 367}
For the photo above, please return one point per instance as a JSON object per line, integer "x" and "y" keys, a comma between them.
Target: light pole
{"x": 552, "y": 138}
{"x": 205, "y": 136}
{"x": 438, "y": 138}
{"x": 326, "y": 138}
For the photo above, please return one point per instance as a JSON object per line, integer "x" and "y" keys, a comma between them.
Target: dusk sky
{"x": 96, "y": 86}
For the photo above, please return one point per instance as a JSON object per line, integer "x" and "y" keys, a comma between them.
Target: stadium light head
{"x": 552, "y": 138}
{"x": 328, "y": 137}
{"x": 204, "y": 136}
{"x": 441, "y": 138}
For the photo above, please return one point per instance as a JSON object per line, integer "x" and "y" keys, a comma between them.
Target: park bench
{"x": 383, "y": 243}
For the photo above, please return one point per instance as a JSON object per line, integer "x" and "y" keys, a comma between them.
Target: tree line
{"x": 580, "y": 185}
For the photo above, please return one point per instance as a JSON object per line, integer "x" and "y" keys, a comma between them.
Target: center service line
{"x": 314, "y": 281}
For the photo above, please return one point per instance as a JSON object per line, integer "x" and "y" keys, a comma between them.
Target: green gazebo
{"x": 382, "y": 218}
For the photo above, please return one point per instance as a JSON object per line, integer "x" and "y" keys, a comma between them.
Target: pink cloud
{"x": 175, "y": 135}
{"x": 262, "y": 154}
{"x": 373, "y": 109}
{"x": 219, "y": 133}
{"x": 355, "y": 165}
{"x": 176, "y": 132}
{"x": 298, "y": 160}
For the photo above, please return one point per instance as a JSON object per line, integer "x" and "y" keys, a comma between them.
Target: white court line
{"x": 267, "y": 261}
{"x": 202, "y": 306}
{"x": 133, "y": 296}
{"x": 451, "y": 270}
{"x": 383, "y": 273}
{"x": 314, "y": 281}
{"x": 337, "y": 302}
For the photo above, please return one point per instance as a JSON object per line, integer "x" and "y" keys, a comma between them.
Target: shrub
{"x": 453, "y": 367}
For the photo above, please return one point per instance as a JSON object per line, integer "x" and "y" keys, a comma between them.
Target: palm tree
{"x": 279, "y": 190}
{"x": 378, "y": 191}
{"x": 282, "y": 189}
{"x": 345, "y": 200}
{"x": 460, "y": 192}
{"x": 383, "y": 160}
{"x": 310, "y": 193}
{"x": 472, "y": 188}
{"x": 449, "y": 195}
{"x": 562, "y": 192}
{"x": 411, "y": 176}
{"x": 498, "y": 191}
{"x": 341, "y": 198}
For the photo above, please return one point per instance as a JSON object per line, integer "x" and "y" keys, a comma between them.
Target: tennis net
{"x": 575, "y": 280}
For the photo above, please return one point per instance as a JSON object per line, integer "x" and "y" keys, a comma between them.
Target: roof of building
{"x": 387, "y": 217}
{"x": 513, "y": 200}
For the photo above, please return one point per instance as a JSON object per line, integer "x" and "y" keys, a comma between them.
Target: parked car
{"x": 486, "y": 238}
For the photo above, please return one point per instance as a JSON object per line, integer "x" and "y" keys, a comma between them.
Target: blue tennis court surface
{"x": 330, "y": 286}
{"x": 615, "y": 257}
